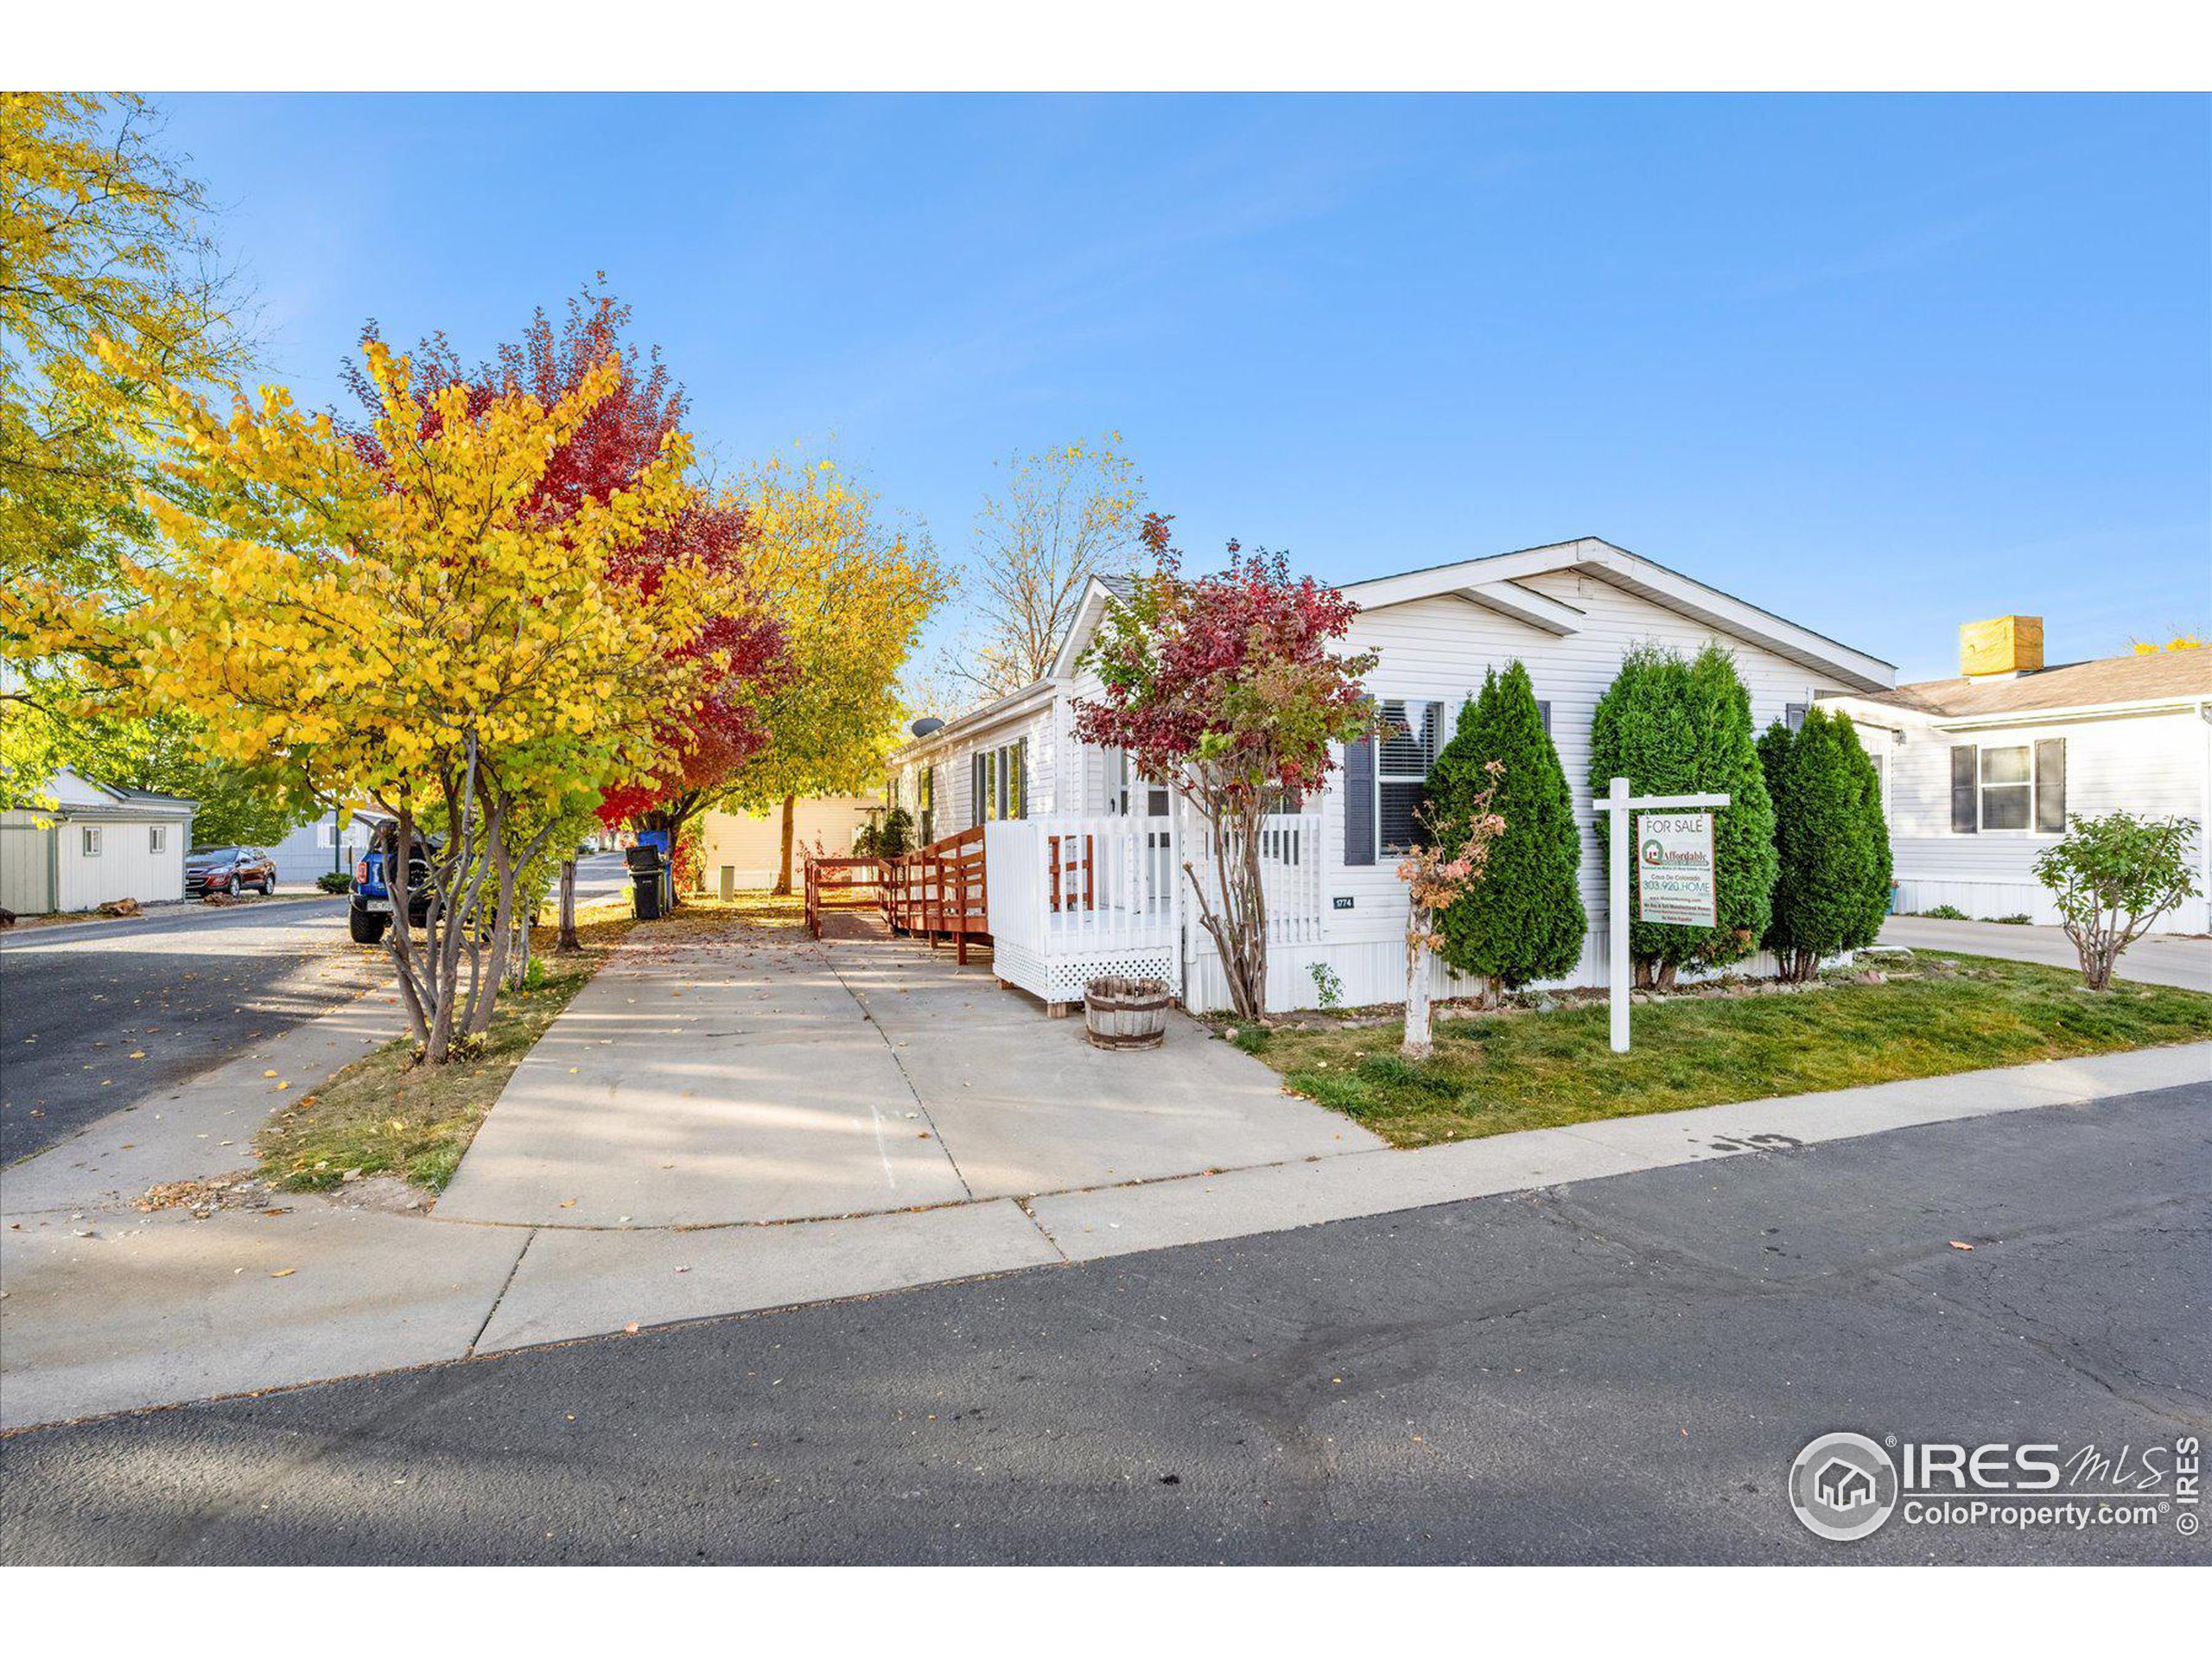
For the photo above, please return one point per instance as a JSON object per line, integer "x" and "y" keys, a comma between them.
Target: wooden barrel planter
{"x": 1126, "y": 1013}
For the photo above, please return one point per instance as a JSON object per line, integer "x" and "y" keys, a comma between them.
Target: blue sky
{"x": 1880, "y": 364}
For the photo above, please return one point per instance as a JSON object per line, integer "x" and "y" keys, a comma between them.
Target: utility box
{"x": 2003, "y": 645}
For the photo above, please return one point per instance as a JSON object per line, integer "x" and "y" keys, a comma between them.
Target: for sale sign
{"x": 1674, "y": 869}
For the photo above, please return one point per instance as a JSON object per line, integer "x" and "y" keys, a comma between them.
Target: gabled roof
{"x": 76, "y": 796}
{"x": 1498, "y": 584}
{"x": 2100, "y": 683}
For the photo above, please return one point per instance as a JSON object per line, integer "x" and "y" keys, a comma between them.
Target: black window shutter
{"x": 2050, "y": 785}
{"x": 1966, "y": 818}
{"x": 1544, "y": 714}
{"x": 1359, "y": 801}
{"x": 975, "y": 789}
{"x": 1019, "y": 807}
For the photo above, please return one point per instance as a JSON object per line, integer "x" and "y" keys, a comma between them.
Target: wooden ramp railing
{"x": 842, "y": 884}
{"x": 940, "y": 891}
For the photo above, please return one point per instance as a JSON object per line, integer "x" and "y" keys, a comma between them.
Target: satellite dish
{"x": 924, "y": 728}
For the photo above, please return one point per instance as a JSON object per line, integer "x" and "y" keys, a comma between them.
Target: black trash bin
{"x": 646, "y": 883}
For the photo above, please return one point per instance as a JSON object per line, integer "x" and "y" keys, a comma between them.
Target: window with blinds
{"x": 1407, "y": 738}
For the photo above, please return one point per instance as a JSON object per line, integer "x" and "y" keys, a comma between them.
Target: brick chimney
{"x": 2000, "y": 648}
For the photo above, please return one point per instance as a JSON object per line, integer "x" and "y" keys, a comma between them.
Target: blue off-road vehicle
{"x": 369, "y": 914}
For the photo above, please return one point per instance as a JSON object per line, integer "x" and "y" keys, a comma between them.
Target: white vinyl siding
{"x": 1048, "y": 731}
{"x": 124, "y": 864}
{"x": 2154, "y": 764}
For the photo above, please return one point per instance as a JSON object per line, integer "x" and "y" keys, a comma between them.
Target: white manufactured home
{"x": 93, "y": 845}
{"x": 1082, "y": 858}
{"x": 1983, "y": 771}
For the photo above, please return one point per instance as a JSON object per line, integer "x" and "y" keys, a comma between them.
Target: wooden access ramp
{"x": 939, "y": 893}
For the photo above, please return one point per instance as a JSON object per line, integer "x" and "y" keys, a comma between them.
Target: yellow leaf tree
{"x": 852, "y": 594}
{"x": 388, "y": 613}
{"x": 100, "y": 234}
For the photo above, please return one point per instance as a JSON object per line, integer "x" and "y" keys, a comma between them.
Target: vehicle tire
{"x": 366, "y": 925}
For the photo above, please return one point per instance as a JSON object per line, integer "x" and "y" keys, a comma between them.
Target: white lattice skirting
{"x": 1064, "y": 978}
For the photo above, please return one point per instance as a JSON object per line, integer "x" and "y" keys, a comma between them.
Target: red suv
{"x": 228, "y": 870}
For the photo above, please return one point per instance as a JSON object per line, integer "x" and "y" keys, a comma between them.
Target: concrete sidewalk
{"x": 766, "y": 1077}
{"x": 2156, "y": 959}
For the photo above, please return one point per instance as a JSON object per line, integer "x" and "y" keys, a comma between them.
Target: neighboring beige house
{"x": 1982, "y": 772}
{"x": 740, "y": 851}
{"x": 93, "y": 845}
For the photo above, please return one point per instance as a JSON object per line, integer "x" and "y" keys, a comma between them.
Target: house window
{"x": 1001, "y": 783}
{"x": 1793, "y": 715}
{"x": 158, "y": 837}
{"x": 2007, "y": 787}
{"x": 1406, "y": 751}
{"x": 91, "y": 841}
{"x": 2017, "y": 786}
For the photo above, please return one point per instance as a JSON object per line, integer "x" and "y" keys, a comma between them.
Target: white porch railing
{"x": 1074, "y": 898}
{"x": 1290, "y": 874}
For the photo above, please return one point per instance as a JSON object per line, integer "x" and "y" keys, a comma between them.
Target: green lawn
{"x": 1491, "y": 1073}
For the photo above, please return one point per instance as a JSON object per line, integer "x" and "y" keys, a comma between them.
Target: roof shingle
{"x": 2069, "y": 685}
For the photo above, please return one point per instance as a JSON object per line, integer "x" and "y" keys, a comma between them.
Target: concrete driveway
{"x": 766, "y": 1077}
{"x": 2160, "y": 959}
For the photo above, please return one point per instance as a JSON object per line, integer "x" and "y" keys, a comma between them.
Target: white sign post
{"x": 1676, "y": 880}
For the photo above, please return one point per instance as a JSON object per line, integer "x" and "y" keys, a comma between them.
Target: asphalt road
{"x": 1617, "y": 1372}
{"x": 601, "y": 875}
{"x": 182, "y": 988}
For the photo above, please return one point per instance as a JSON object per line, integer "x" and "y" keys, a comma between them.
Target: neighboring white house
{"x": 1082, "y": 876}
{"x": 1983, "y": 771}
{"x": 320, "y": 848}
{"x": 93, "y": 845}
{"x": 742, "y": 852}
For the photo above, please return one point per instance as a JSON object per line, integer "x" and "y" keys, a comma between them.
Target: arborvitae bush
{"x": 1831, "y": 846}
{"x": 1524, "y": 919}
{"x": 1676, "y": 728}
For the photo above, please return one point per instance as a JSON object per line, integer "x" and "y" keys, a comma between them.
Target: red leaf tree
{"x": 702, "y": 747}
{"x": 1228, "y": 689}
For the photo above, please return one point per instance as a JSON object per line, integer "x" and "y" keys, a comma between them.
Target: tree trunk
{"x": 791, "y": 820}
{"x": 1418, "y": 1043}
{"x": 568, "y": 940}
